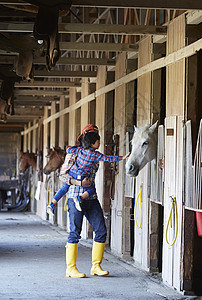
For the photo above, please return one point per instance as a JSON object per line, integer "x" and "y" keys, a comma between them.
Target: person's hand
{"x": 86, "y": 182}
{"x": 125, "y": 156}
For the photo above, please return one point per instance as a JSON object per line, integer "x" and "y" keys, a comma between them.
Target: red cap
{"x": 88, "y": 128}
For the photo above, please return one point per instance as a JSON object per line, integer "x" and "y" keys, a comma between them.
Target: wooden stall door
{"x": 172, "y": 254}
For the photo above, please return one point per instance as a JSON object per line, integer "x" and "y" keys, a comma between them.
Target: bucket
{"x": 199, "y": 222}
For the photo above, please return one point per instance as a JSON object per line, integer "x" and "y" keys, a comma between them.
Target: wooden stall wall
{"x": 117, "y": 205}
{"x": 41, "y": 202}
{"x": 141, "y": 245}
{"x": 61, "y": 214}
{"x": 175, "y": 103}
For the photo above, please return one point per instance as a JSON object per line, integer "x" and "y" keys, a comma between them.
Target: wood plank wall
{"x": 141, "y": 248}
{"x": 175, "y": 103}
{"x": 175, "y": 91}
{"x": 144, "y": 83}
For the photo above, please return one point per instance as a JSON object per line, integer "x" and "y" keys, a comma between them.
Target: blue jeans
{"x": 61, "y": 192}
{"x": 64, "y": 189}
{"x": 93, "y": 212}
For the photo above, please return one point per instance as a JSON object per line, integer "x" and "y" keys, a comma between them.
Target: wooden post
{"x": 85, "y": 91}
{"x": 100, "y": 122}
{"x": 175, "y": 103}
{"x": 52, "y": 126}
{"x": 61, "y": 214}
{"x": 25, "y": 140}
{"x": 117, "y": 205}
{"x": 29, "y": 135}
{"x": 53, "y": 219}
{"x": 62, "y": 124}
{"x": 45, "y": 140}
{"x": 34, "y": 139}
{"x": 72, "y": 126}
{"x": 142, "y": 235}
{"x": 41, "y": 204}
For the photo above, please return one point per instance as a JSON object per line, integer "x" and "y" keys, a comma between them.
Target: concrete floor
{"x": 32, "y": 266}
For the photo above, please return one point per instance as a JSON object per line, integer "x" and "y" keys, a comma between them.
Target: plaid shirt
{"x": 86, "y": 158}
{"x": 75, "y": 190}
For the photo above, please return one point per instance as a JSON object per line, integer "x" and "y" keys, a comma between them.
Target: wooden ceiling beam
{"x": 24, "y": 117}
{"x": 159, "y": 4}
{"x": 98, "y": 47}
{"x": 31, "y": 103}
{"x": 47, "y": 84}
{"x": 35, "y": 112}
{"x": 35, "y": 99}
{"x": 65, "y": 74}
{"x": 14, "y": 127}
{"x": 65, "y": 28}
{"x": 10, "y": 59}
{"x": 79, "y": 61}
{"x": 30, "y": 92}
{"x": 74, "y": 46}
{"x": 117, "y": 29}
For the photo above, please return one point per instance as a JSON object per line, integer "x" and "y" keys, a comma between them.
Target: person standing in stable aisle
{"x": 90, "y": 207}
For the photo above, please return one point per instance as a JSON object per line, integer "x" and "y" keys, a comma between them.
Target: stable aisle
{"x": 32, "y": 266}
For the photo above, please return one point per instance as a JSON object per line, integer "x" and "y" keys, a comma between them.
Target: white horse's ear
{"x": 154, "y": 126}
{"x": 135, "y": 128}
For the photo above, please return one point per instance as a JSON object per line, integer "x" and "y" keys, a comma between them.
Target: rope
{"x": 140, "y": 198}
{"x": 174, "y": 204}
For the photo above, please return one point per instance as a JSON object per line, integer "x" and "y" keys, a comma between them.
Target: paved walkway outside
{"x": 32, "y": 266}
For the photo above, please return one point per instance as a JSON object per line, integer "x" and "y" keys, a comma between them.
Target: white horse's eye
{"x": 145, "y": 143}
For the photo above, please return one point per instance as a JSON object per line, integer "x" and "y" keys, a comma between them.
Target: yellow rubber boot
{"x": 97, "y": 255}
{"x": 71, "y": 256}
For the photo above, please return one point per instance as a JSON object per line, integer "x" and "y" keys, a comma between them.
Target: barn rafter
{"x": 89, "y": 37}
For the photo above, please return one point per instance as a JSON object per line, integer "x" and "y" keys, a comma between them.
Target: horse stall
{"x": 151, "y": 88}
{"x": 148, "y": 84}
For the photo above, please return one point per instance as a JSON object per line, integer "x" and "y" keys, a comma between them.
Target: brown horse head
{"x": 56, "y": 159}
{"x": 26, "y": 160}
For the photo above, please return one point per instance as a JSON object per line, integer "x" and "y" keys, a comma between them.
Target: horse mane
{"x": 57, "y": 150}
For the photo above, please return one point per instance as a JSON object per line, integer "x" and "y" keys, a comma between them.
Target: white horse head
{"x": 144, "y": 148}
